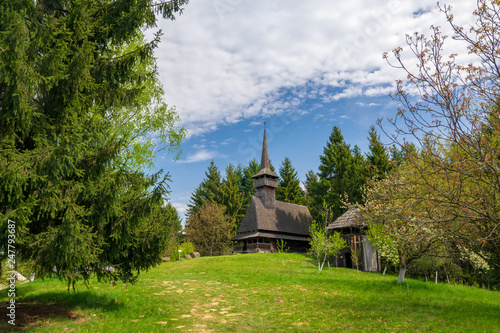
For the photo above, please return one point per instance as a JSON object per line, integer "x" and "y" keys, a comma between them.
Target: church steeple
{"x": 264, "y": 162}
{"x": 265, "y": 181}
{"x": 265, "y": 165}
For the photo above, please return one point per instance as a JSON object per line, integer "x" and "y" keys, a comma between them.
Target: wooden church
{"x": 269, "y": 220}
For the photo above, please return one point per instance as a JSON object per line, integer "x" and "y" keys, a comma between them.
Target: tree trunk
{"x": 402, "y": 268}
{"x": 402, "y": 272}
{"x": 322, "y": 264}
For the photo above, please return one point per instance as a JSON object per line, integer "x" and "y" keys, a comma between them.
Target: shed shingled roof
{"x": 351, "y": 218}
{"x": 286, "y": 218}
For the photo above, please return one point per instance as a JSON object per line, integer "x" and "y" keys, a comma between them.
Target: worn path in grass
{"x": 255, "y": 293}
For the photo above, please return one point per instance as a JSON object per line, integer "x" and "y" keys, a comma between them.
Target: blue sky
{"x": 300, "y": 66}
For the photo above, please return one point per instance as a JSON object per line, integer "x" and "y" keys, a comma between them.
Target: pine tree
{"x": 232, "y": 198}
{"x": 313, "y": 196}
{"x": 288, "y": 189}
{"x": 247, "y": 181}
{"x": 356, "y": 176}
{"x": 342, "y": 172}
{"x": 78, "y": 88}
{"x": 208, "y": 190}
{"x": 378, "y": 159}
{"x": 173, "y": 225}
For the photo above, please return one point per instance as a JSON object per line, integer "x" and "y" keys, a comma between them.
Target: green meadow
{"x": 253, "y": 293}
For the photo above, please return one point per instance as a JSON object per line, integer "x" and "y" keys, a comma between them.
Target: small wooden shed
{"x": 351, "y": 227}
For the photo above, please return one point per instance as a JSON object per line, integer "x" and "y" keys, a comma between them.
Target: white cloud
{"x": 227, "y": 141}
{"x": 225, "y": 60}
{"x": 367, "y": 104}
{"x": 199, "y": 156}
{"x": 181, "y": 207}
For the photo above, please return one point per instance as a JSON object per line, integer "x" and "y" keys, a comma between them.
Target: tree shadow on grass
{"x": 50, "y": 306}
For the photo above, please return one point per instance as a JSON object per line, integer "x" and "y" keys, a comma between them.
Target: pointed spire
{"x": 265, "y": 181}
{"x": 264, "y": 162}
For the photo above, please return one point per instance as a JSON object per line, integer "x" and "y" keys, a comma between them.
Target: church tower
{"x": 268, "y": 220}
{"x": 265, "y": 181}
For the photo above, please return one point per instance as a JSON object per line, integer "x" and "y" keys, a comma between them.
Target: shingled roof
{"x": 272, "y": 235}
{"x": 351, "y": 218}
{"x": 287, "y": 218}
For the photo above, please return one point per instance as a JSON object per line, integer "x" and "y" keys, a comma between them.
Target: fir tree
{"x": 313, "y": 196}
{"x": 208, "y": 190}
{"x": 288, "y": 189}
{"x": 78, "y": 88}
{"x": 247, "y": 181}
{"x": 232, "y": 198}
{"x": 378, "y": 159}
{"x": 356, "y": 177}
{"x": 173, "y": 225}
{"x": 342, "y": 173}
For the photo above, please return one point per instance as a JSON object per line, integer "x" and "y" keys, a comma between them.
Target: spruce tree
{"x": 342, "y": 173}
{"x": 232, "y": 198}
{"x": 247, "y": 181}
{"x": 377, "y": 158}
{"x": 314, "y": 199}
{"x": 174, "y": 227}
{"x": 288, "y": 189}
{"x": 356, "y": 177}
{"x": 79, "y": 93}
{"x": 208, "y": 190}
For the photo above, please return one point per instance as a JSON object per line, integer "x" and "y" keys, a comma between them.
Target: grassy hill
{"x": 254, "y": 293}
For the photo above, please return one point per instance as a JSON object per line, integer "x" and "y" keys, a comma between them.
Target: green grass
{"x": 255, "y": 293}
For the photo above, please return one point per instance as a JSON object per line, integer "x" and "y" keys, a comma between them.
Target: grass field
{"x": 254, "y": 293}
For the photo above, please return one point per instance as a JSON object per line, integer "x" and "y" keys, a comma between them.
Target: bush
{"x": 185, "y": 247}
{"x": 210, "y": 229}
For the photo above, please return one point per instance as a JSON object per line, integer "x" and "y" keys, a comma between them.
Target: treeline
{"x": 394, "y": 187}
{"x": 343, "y": 172}
{"x": 227, "y": 199}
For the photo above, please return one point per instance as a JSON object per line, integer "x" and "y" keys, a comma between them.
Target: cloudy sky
{"x": 300, "y": 66}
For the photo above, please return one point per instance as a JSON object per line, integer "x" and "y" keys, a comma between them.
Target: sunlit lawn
{"x": 254, "y": 293}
